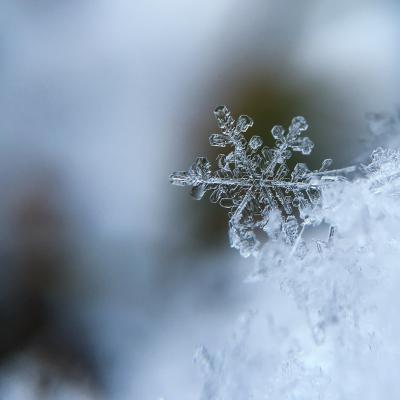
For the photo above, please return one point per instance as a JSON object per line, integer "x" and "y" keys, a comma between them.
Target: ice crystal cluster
{"x": 328, "y": 322}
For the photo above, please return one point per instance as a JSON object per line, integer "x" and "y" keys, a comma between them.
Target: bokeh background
{"x": 110, "y": 277}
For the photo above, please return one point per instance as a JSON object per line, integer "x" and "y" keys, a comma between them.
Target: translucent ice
{"x": 253, "y": 180}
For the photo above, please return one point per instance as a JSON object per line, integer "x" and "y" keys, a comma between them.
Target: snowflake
{"x": 255, "y": 184}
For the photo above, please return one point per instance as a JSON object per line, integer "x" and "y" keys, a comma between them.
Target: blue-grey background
{"x": 110, "y": 278}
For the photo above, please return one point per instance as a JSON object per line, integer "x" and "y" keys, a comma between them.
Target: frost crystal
{"x": 344, "y": 289}
{"x": 255, "y": 183}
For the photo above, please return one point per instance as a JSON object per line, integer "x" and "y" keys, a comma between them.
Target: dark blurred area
{"x": 110, "y": 277}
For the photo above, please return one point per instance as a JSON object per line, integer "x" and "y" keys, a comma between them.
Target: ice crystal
{"x": 344, "y": 290}
{"x": 254, "y": 182}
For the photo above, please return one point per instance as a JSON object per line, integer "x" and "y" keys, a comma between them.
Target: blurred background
{"x": 110, "y": 277}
